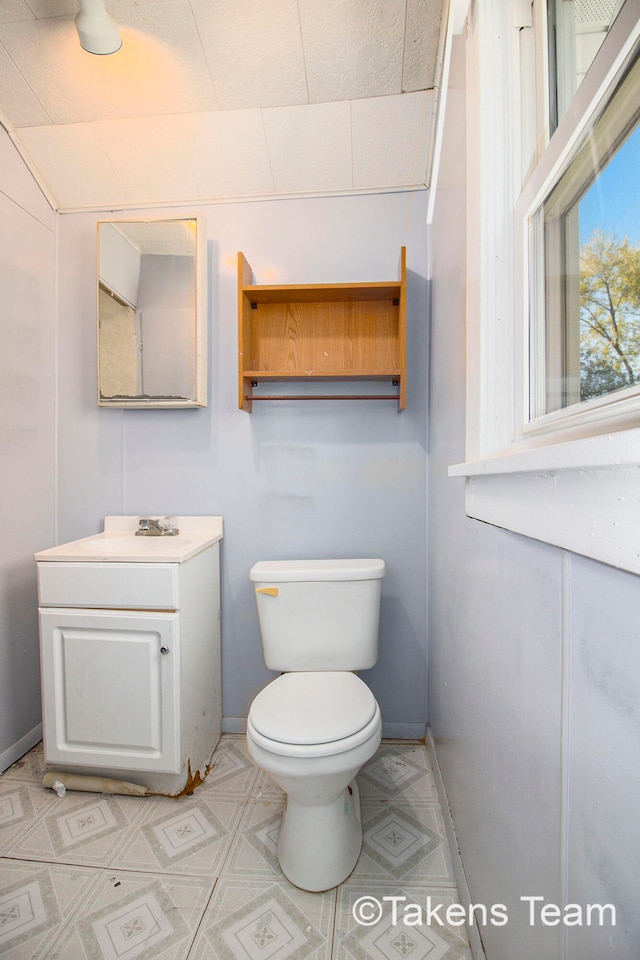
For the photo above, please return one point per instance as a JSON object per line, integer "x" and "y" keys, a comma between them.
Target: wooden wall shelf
{"x": 321, "y": 331}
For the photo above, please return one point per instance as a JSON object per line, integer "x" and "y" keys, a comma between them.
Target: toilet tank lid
{"x": 283, "y": 571}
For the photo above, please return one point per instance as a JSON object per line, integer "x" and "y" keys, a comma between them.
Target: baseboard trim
{"x": 234, "y": 724}
{"x": 22, "y": 746}
{"x": 475, "y": 940}
{"x": 403, "y": 731}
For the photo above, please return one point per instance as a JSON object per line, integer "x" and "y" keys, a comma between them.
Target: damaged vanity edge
{"x": 60, "y": 782}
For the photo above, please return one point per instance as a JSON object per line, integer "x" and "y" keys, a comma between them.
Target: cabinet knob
{"x": 164, "y": 650}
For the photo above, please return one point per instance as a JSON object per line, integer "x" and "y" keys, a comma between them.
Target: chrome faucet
{"x": 148, "y": 527}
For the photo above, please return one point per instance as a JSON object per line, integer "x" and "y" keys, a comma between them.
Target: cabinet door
{"x": 110, "y": 683}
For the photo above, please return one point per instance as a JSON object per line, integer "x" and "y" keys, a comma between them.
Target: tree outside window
{"x": 609, "y": 315}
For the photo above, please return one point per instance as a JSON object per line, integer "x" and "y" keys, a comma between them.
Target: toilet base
{"x": 319, "y": 846}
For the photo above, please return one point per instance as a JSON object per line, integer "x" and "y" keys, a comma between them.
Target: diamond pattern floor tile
{"x": 248, "y": 920}
{"x": 21, "y": 805}
{"x": 133, "y": 915}
{"x": 266, "y": 788}
{"x": 404, "y": 842}
{"x": 410, "y": 924}
{"x": 233, "y": 772}
{"x": 186, "y": 836}
{"x": 80, "y": 828}
{"x": 254, "y": 851}
{"x": 36, "y": 899}
{"x": 30, "y": 767}
{"x": 96, "y": 877}
{"x": 398, "y": 771}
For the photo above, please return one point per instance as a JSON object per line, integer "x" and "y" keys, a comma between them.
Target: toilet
{"x": 314, "y": 727}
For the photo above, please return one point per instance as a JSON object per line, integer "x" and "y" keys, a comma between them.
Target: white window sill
{"x": 612, "y": 449}
{"x": 582, "y": 496}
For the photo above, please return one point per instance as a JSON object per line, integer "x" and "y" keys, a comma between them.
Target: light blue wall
{"x": 292, "y": 479}
{"x": 534, "y": 672}
{"x": 27, "y": 439}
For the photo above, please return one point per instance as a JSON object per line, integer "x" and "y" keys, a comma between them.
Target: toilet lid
{"x": 317, "y": 707}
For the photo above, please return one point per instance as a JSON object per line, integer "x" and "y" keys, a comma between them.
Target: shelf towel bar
{"x": 350, "y": 396}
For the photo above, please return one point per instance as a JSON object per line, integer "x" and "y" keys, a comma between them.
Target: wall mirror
{"x": 152, "y": 317}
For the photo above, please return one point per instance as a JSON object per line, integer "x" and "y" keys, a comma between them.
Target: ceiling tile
{"x": 254, "y": 51}
{"x": 25, "y": 189}
{"x": 309, "y": 147}
{"x": 160, "y": 68}
{"x": 19, "y": 104}
{"x": 352, "y": 50}
{"x": 399, "y": 158}
{"x": 228, "y": 153}
{"x": 422, "y": 39}
{"x": 73, "y": 164}
{"x": 166, "y": 30}
{"x": 232, "y": 98}
{"x": 150, "y": 158}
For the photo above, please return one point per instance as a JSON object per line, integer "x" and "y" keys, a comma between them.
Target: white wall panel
{"x": 495, "y": 627}
{"x": 27, "y": 440}
{"x": 604, "y": 770}
{"x": 533, "y": 671}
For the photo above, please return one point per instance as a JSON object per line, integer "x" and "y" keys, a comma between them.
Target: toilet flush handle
{"x": 270, "y": 591}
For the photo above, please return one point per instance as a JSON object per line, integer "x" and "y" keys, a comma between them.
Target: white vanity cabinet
{"x": 111, "y": 693}
{"x": 130, "y": 655}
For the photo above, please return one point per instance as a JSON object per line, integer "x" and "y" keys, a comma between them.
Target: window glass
{"x": 609, "y": 218}
{"x": 585, "y": 266}
{"x": 576, "y": 31}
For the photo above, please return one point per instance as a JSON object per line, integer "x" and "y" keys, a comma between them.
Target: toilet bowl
{"x": 312, "y": 733}
{"x": 312, "y": 728}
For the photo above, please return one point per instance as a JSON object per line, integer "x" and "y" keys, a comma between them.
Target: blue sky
{"x": 612, "y": 205}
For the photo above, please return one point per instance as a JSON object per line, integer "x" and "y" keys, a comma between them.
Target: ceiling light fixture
{"x": 97, "y": 30}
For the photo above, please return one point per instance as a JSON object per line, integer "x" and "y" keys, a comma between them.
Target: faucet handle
{"x": 169, "y": 526}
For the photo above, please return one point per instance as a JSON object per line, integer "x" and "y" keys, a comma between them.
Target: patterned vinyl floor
{"x": 96, "y": 877}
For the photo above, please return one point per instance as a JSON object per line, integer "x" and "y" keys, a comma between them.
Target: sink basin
{"x": 119, "y": 543}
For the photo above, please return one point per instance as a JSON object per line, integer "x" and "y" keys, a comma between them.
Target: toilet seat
{"x": 313, "y": 714}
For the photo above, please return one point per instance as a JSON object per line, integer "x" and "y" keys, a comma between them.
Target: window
{"x": 553, "y": 406}
{"x": 576, "y": 30}
{"x": 585, "y": 261}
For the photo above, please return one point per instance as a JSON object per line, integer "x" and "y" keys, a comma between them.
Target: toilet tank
{"x": 318, "y": 614}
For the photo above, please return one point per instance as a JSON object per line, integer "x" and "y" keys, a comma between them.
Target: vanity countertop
{"x": 119, "y": 544}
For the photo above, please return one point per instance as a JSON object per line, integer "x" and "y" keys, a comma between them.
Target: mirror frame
{"x": 199, "y": 398}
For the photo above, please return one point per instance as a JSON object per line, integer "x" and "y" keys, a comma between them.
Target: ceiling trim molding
{"x": 454, "y": 25}
{"x": 257, "y": 198}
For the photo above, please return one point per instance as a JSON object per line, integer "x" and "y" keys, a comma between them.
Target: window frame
{"x": 529, "y": 476}
{"x": 596, "y": 90}
{"x": 551, "y": 240}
